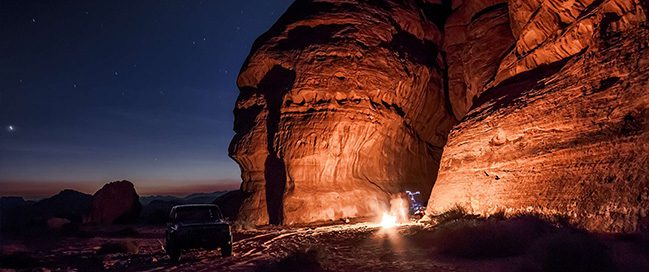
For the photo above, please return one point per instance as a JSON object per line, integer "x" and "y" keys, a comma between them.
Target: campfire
{"x": 388, "y": 221}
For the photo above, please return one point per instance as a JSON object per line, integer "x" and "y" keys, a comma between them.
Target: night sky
{"x": 97, "y": 91}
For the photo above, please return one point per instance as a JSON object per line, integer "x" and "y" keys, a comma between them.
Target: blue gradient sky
{"x": 96, "y": 91}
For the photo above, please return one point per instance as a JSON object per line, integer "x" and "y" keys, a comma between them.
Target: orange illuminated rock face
{"x": 344, "y": 103}
{"x": 341, "y": 105}
{"x": 563, "y": 127}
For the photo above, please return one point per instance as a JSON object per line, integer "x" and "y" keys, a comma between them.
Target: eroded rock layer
{"x": 563, "y": 128}
{"x": 342, "y": 104}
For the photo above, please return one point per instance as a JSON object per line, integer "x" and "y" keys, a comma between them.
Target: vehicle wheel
{"x": 226, "y": 250}
{"x": 174, "y": 253}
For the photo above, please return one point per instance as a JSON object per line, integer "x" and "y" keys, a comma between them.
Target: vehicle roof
{"x": 194, "y": 205}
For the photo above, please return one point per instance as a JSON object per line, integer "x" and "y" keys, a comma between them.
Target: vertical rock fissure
{"x": 447, "y": 96}
{"x": 274, "y": 86}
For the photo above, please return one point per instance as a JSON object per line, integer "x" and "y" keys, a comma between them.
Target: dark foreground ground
{"x": 521, "y": 244}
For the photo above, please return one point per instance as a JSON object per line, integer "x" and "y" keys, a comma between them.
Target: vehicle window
{"x": 197, "y": 214}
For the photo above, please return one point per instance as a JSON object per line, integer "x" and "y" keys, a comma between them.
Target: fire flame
{"x": 388, "y": 221}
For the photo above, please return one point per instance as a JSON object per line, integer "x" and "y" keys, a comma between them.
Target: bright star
{"x": 11, "y": 128}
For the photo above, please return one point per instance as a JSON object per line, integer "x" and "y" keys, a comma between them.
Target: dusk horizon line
{"x": 34, "y": 189}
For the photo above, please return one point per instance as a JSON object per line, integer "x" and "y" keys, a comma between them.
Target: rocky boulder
{"x": 116, "y": 203}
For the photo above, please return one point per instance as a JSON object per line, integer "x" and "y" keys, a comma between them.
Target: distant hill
{"x": 68, "y": 204}
{"x": 18, "y": 215}
{"x": 9, "y": 202}
{"x": 196, "y": 198}
{"x": 156, "y": 208}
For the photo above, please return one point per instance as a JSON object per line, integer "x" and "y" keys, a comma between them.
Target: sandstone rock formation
{"x": 343, "y": 103}
{"x": 562, "y": 127}
{"x": 116, "y": 202}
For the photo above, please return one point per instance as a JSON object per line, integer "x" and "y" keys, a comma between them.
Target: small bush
{"x": 455, "y": 213}
{"x": 128, "y": 246}
{"x": 307, "y": 261}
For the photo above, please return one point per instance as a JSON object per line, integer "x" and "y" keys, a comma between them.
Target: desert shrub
{"x": 307, "y": 261}
{"x": 499, "y": 215}
{"x": 127, "y": 246}
{"x": 457, "y": 212}
{"x": 568, "y": 250}
{"x": 17, "y": 260}
{"x": 488, "y": 238}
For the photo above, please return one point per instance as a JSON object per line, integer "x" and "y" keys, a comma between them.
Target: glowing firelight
{"x": 388, "y": 221}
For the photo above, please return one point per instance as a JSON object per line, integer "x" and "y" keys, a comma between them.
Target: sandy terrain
{"x": 355, "y": 247}
{"x": 469, "y": 244}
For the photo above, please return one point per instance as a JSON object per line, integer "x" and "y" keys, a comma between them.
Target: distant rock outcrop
{"x": 67, "y": 204}
{"x": 116, "y": 203}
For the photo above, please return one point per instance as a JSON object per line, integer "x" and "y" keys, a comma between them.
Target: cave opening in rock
{"x": 274, "y": 86}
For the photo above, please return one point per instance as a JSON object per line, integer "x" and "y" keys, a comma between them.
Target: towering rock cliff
{"x": 343, "y": 103}
{"x": 563, "y": 126}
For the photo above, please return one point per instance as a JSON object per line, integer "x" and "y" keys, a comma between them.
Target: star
{"x": 116, "y": 73}
{"x": 33, "y": 20}
{"x": 11, "y": 128}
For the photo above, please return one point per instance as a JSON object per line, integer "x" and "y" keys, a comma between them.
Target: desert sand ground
{"x": 347, "y": 247}
{"x": 342, "y": 247}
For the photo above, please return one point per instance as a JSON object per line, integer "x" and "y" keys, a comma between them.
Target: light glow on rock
{"x": 388, "y": 221}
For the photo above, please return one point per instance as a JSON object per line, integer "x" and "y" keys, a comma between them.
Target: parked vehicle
{"x": 197, "y": 226}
